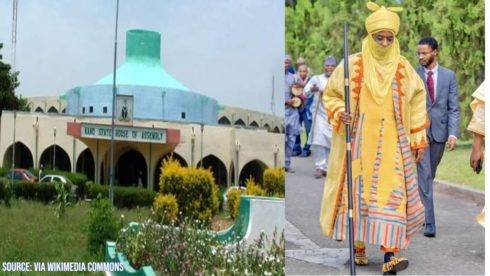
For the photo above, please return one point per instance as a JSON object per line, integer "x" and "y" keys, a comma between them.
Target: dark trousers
{"x": 426, "y": 172}
{"x": 305, "y": 119}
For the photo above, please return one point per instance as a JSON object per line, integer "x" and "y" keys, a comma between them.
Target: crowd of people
{"x": 402, "y": 119}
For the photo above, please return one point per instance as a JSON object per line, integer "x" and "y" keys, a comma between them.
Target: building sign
{"x": 123, "y": 133}
{"x": 124, "y": 109}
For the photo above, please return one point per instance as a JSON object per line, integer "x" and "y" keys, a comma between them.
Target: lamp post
{"x": 276, "y": 151}
{"x": 13, "y": 151}
{"x": 193, "y": 146}
{"x": 36, "y": 133}
{"x": 111, "y": 169}
{"x": 202, "y": 143}
{"x": 54, "y": 148}
{"x": 237, "y": 149}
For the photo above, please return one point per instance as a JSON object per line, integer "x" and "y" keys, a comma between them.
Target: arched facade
{"x": 240, "y": 122}
{"x": 86, "y": 164}
{"x": 23, "y": 157}
{"x": 52, "y": 110}
{"x": 131, "y": 169}
{"x": 254, "y": 169}
{"x": 55, "y": 155}
{"x": 224, "y": 121}
{"x": 217, "y": 167}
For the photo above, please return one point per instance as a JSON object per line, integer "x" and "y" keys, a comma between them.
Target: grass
{"x": 455, "y": 168}
{"x": 30, "y": 231}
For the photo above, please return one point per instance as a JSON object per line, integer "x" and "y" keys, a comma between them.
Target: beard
{"x": 425, "y": 62}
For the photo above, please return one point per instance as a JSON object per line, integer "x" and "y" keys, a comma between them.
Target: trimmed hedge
{"x": 274, "y": 182}
{"x": 124, "y": 197}
{"x": 44, "y": 192}
{"x": 194, "y": 188}
{"x": 233, "y": 201}
{"x": 166, "y": 209}
{"x": 3, "y": 171}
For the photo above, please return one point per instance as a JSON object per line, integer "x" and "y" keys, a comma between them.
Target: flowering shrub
{"x": 274, "y": 182}
{"x": 194, "y": 188}
{"x": 253, "y": 188}
{"x": 233, "y": 196}
{"x": 185, "y": 250}
{"x": 165, "y": 209}
{"x": 233, "y": 201}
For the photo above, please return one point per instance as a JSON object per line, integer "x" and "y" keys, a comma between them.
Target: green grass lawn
{"x": 455, "y": 168}
{"x": 30, "y": 232}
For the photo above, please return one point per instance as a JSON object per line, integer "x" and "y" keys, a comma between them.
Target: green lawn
{"x": 455, "y": 168}
{"x": 30, "y": 232}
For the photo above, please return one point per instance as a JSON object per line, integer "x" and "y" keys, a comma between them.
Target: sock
{"x": 388, "y": 256}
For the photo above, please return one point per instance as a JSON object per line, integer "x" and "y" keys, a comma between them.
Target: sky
{"x": 226, "y": 49}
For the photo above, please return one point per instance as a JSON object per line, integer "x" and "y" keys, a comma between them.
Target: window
{"x": 183, "y": 115}
{"x": 18, "y": 176}
{"x": 83, "y": 110}
{"x": 104, "y": 109}
{"x": 91, "y": 109}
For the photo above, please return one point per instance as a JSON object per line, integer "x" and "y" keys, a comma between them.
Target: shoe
{"x": 305, "y": 153}
{"x": 324, "y": 173}
{"x": 394, "y": 265}
{"x": 296, "y": 153}
{"x": 289, "y": 170}
{"x": 318, "y": 173}
{"x": 430, "y": 230}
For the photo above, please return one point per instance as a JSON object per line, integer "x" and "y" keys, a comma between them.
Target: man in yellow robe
{"x": 388, "y": 124}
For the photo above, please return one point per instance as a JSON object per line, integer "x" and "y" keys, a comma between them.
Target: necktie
{"x": 430, "y": 85}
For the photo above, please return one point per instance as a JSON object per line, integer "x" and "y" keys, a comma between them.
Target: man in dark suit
{"x": 443, "y": 111}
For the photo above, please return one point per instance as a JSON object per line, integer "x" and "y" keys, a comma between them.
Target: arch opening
{"x": 254, "y": 169}
{"x": 23, "y": 156}
{"x": 224, "y": 121}
{"x": 217, "y": 167}
{"x": 86, "y": 164}
{"x": 131, "y": 169}
{"x": 57, "y": 155}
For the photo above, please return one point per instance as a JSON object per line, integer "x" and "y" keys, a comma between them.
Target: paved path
{"x": 458, "y": 249}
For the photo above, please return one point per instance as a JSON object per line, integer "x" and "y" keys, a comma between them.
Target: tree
{"x": 8, "y": 83}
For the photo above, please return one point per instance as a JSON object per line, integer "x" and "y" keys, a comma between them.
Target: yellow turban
{"x": 379, "y": 62}
{"x": 382, "y": 18}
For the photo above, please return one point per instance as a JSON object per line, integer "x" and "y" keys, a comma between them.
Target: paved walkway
{"x": 458, "y": 249}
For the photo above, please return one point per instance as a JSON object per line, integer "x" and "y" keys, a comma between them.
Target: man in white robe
{"x": 321, "y": 130}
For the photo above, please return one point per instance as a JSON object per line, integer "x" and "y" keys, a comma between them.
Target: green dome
{"x": 142, "y": 65}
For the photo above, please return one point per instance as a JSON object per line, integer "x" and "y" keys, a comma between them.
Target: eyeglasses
{"x": 417, "y": 54}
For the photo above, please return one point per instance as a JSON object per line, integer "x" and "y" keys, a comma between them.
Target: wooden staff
{"x": 348, "y": 152}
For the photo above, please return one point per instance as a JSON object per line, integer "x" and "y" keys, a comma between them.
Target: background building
{"x": 72, "y": 132}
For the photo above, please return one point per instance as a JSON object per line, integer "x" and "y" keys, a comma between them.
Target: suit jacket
{"x": 444, "y": 112}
